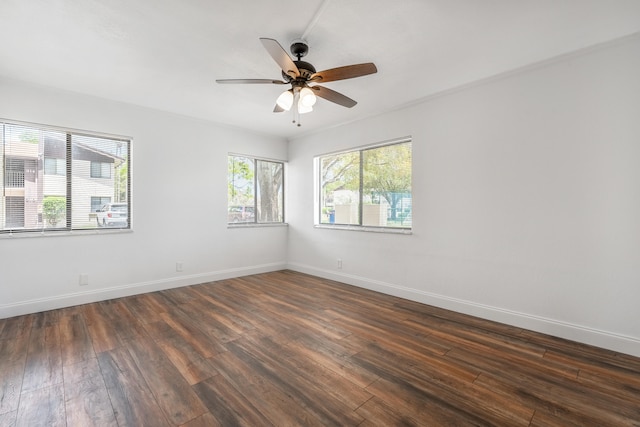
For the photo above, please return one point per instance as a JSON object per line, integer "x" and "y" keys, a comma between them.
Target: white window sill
{"x": 63, "y": 233}
{"x": 387, "y": 230}
{"x": 257, "y": 225}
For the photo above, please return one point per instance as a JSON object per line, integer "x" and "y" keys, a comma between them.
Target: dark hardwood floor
{"x": 288, "y": 349}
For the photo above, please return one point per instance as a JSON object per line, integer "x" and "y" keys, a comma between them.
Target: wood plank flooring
{"x": 288, "y": 349}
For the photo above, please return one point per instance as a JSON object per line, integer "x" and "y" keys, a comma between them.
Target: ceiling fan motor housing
{"x": 306, "y": 71}
{"x": 300, "y": 48}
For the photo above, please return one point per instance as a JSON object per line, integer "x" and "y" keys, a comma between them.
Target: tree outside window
{"x": 367, "y": 187}
{"x": 255, "y": 190}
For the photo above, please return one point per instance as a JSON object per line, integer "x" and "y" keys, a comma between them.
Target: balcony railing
{"x": 14, "y": 179}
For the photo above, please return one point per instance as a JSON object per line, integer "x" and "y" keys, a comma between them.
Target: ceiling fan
{"x": 304, "y": 79}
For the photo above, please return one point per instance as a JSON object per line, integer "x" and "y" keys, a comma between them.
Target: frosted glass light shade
{"x": 307, "y": 97}
{"x": 302, "y": 109}
{"x": 285, "y": 100}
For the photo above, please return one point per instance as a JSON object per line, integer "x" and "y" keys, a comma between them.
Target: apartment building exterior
{"x": 36, "y": 169}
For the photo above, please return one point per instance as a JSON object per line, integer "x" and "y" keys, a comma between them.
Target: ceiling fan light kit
{"x": 300, "y": 74}
{"x": 306, "y": 99}
{"x": 285, "y": 100}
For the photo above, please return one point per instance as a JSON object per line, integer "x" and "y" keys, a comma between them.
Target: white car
{"x": 113, "y": 215}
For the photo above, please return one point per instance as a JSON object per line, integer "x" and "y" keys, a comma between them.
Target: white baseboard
{"x": 616, "y": 342}
{"x": 78, "y": 298}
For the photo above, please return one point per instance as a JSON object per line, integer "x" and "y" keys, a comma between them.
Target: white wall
{"x": 526, "y": 203}
{"x": 526, "y": 200}
{"x": 179, "y": 209}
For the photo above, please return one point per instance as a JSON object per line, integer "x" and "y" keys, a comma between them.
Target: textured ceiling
{"x": 166, "y": 54}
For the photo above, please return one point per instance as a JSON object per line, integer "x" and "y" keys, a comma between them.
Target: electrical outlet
{"x": 83, "y": 280}
{"x": 339, "y": 263}
{"x": 179, "y": 267}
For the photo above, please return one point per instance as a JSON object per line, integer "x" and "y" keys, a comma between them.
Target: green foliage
{"x": 387, "y": 169}
{"x": 122, "y": 176}
{"x": 387, "y": 172}
{"x": 240, "y": 180}
{"x": 341, "y": 172}
{"x": 54, "y": 208}
{"x": 30, "y": 137}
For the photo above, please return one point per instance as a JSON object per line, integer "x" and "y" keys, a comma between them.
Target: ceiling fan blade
{"x": 278, "y": 109}
{"x": 280, "y": 56}
{"x": 333, "y": 96}
{"x": 342, "y": 73}
{"x": 250, "y": 81}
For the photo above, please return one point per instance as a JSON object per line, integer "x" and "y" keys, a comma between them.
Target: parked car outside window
{"x": 113, "y": 215}
{"x": 241, "y": 214}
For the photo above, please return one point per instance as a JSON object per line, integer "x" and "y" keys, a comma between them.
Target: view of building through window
{"x": 59, "y": 180}
{"x": 50, "y": 180}
{"x": 255, "y": 190}
{"x": 367, "y": 187}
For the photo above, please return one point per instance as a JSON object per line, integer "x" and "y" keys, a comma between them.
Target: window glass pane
{"x": 30, "y": 200}
{"x": 99, "y": 178}
{"x": 386, "y": 186}
{"x": 95, "y": 170}
{"x": 101, "y": 169}
{"x": 340, "y": 188}
{"x": 270, "y": 191}
{"x": 47, "y": 182}
{"x": 55, "y": 166}
{"x": 240, "y": 185}
{"x": 255, "y": 190}
{"x": 369, "y": 187}
{"x": 49, "y": 166}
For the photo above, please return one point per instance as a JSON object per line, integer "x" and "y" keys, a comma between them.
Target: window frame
{"x": 255, "y": 189}
{"x": 360, "y": 150}
{"x": 68, "y": 135}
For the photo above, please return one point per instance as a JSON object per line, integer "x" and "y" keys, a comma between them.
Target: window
{"x": 54, "y": 166}
{"x": 100, "y": 170}
{"x": 47, "y": 182}
{"x": 255, "y": 190}
{"x": 98, "y": 202}
{"x": 367, "y": 187}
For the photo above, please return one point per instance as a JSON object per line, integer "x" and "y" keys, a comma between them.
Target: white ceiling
{"x": 166, "y": 54}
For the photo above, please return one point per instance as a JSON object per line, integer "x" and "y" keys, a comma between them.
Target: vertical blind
{"x": 53, "y": 179}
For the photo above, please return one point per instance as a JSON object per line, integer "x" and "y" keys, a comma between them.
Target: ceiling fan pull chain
{"x": 296, "y": 100}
